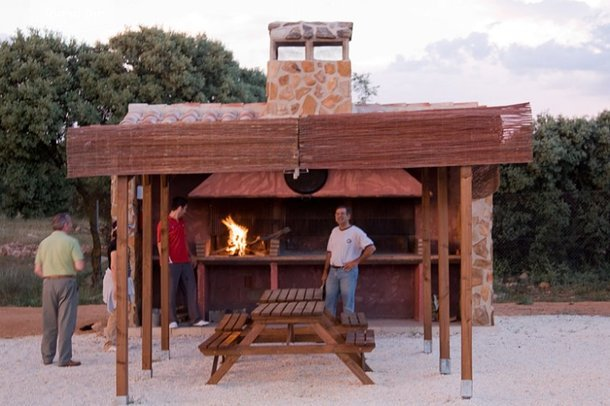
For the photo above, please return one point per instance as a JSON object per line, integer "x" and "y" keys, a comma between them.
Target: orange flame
{"x": 237, "y": 237}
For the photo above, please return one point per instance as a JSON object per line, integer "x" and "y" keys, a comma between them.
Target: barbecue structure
{"x": 419, "y": 177}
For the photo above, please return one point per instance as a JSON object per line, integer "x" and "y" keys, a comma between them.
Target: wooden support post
{"x": 164, "y": 261}
{"x": 443, "y": 270}
{"x": 147, "y": 279}
{"x": 202, "y": 290}
{"x": 274, "y": 276}
{"x": 427, "y": 261}
{"x": 466, "y": 278}
{"x": 122, "y": 354}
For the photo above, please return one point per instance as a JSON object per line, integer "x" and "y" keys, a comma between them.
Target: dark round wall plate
{"x": 307, "y": 182}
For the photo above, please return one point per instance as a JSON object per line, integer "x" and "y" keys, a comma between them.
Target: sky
{"x": 554, "y": 54}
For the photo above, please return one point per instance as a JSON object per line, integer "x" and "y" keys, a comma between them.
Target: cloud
{"x": 560, "y": 11}
{"x": 554, "y": 77}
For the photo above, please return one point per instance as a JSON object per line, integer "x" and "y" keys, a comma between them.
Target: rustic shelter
{"x": 290, "y": 160}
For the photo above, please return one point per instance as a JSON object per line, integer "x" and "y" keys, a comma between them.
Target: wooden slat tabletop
{"x": 289, "y": 309}
{"x": 290, "y": 295}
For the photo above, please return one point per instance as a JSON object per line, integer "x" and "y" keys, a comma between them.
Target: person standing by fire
{"x": 347, "y": 247}
{"x": 180, "y": 265}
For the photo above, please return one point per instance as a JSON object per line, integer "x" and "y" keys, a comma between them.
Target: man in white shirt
{"x": 347, "y": 247}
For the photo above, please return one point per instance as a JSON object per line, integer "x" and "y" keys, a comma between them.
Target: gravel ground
{"x": 523, "y": 360}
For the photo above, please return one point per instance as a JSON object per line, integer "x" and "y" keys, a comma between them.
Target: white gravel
{"x": 524, "y": 360}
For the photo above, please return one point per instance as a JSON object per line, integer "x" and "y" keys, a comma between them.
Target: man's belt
{"x": 59, "y": 276}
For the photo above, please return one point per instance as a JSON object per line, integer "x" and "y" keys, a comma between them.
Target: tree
{"x": 362, "y": 87}
{"x": 551, "y": 216}
{"x": 48, "y": 85}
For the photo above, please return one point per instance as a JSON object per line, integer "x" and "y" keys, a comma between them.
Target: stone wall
{"x": 482, "y": 262}
{"x": 302, "y": 88}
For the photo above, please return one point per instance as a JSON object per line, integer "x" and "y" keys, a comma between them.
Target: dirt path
{"x": 27, "y": 321}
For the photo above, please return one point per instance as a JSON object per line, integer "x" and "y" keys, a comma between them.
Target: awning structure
{"x": 408, "y": 139}
{"x": 470, "y": 141}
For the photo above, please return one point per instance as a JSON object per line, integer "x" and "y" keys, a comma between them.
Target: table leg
{"x": 224, "y": 368}
{"x": 232, "y": 359}
{"x": 331, "y": 336}
{"x": 355, "y": 368}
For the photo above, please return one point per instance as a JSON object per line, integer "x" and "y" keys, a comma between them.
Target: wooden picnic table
{"x": 327, "y": 338}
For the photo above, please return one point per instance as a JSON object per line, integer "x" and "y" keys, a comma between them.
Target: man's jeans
{"x": 341, "y": 283}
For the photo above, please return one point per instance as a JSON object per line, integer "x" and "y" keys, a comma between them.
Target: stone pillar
{"x": 482, "y": 262}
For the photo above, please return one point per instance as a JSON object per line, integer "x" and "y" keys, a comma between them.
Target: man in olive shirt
{"x": 58, "y": 259}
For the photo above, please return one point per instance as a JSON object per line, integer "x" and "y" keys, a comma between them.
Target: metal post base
{"x": 164, "y": 355}
{"x": 427, "y": 346}
{"x": 121, "y": 400}
{"x": 146, "y": 373}
{"x": 445, "y": 366}
{"x": 466, "y": 389}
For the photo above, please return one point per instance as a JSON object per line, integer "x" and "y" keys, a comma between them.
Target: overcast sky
{"x": 554, "y": 54}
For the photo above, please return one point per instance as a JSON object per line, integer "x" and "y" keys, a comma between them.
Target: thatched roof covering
{"x": 384, "y": 140}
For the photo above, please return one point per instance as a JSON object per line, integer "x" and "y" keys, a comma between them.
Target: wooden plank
{"x": 268, "y": 311}
{"x": 241, "y": 322}
{"x": 164, "y": 260}
{"x": 122, "y": 355}
{"x": 274, "y": 295}
{"x": 300, "y": 295}
{"x": 317, "y": 295}
{"x": 309, "y": 294}
{"x": 230, "y": 339}
{"x": 258, "y": 310}
{"x": 147, "y": 276}
{"x": 309, "y": 308}
{"x": 299, "y": 308}
{"x": 466, "y": 274}
{"x": 283, "y": 295}
{"x": 279, "y": 308}
{"x": 289, "y": 309}
{"x": 427, "y": 263}
{"x": 223, "y": 322}
{"x": 443, "y": 267}
{"x": 319, "y": 307}
{"x": 265, "y": 296}
{"x": 292, "y": 295}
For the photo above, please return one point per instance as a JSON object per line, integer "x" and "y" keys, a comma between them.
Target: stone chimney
{"x": 309, "y": 84}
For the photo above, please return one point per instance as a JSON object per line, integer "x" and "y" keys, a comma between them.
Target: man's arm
{"x": 367, "y": 252}
{"x": 38, "y": 269}
{"x": 79, "y": 265}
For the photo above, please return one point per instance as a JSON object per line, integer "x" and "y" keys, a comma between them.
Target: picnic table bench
{"x": 323, "y": 337}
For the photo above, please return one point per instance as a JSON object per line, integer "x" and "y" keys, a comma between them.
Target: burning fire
{"x": 237, "y": 237}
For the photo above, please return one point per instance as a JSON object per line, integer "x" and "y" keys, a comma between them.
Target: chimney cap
{"x": 319, "y": 32}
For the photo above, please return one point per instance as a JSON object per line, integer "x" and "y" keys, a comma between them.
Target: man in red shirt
{"x": 180, "y": 264}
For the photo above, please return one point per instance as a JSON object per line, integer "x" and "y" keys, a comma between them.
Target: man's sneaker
{"x": 201, "y": 323}
{"x": 173, "y": 324}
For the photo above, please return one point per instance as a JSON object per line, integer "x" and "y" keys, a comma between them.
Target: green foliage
{"x": 362, "y": 87}
{"x": 551, "y": 217}
{"x": 48, "y": 84}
